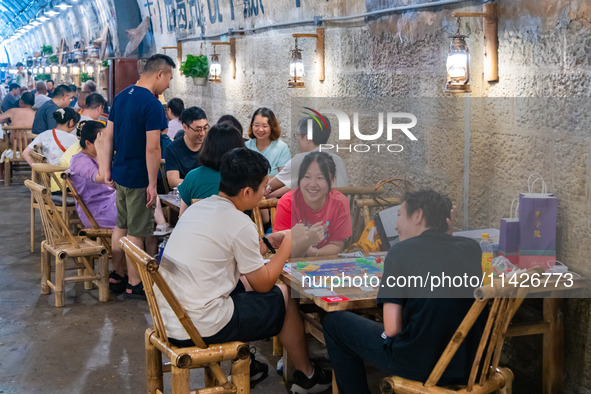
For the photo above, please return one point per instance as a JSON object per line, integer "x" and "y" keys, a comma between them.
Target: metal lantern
{"x": 296, "y": 68}
{"x": 458, "y": 64}
{"x": 215, "y": 69}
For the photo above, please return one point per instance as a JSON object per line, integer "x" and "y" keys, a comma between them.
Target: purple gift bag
{"x": 509, "y": 240}
{"x": 537, "y": 228}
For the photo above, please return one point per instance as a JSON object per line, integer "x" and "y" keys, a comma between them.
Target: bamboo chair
{"x": 96, "y": 232}
{"x": 485, "y": 376}
{"x": 365, "y": 204}
{"x": 60, "y": 242}
{"x": 44, "y": 173}
{"x": 37, "y": 158}
{"x": 271, "y": 205}
{"x": 18, "y": 141}
{"x": 182, "y": 360}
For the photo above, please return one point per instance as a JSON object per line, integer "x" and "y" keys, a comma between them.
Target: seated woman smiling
{"x": 315, "y": 205}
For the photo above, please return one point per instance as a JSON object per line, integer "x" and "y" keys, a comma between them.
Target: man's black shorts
{"x": 256, "y": 316}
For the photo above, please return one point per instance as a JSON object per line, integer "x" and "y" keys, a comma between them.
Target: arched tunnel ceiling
{"x": 17, "y": 13}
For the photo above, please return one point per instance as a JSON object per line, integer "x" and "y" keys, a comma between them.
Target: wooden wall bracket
{"x": 491, "y": 39}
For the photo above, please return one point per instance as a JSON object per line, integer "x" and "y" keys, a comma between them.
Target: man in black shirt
{"x": 417, "y": 325}
{"x": 44, "y": 116}
{"x": 183, "y": 154}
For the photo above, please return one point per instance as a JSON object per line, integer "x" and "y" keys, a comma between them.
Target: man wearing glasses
{"x": 183, "y": 154}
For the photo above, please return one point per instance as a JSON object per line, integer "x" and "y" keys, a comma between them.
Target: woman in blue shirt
{"x": 265, "y": 132}
{"x": 204, "y": 181}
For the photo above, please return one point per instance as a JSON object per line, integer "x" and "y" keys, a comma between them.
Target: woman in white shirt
{"x": 54, "y": 142}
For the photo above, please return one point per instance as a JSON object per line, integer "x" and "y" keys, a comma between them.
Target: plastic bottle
{"x": 487, "y": 257}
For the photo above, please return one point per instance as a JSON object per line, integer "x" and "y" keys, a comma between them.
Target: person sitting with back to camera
{"x": 204, "y": 181}
{"x": 317, "y": 206}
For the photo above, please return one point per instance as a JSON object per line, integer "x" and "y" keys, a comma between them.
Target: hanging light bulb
{"x": 64, "y": 69}
{"x": 35, "y": 70}
{"x": 458, "y": 64}
{"x": 215, "y": 69}
{"x": 90, "y": 69}
{"x": 47, "y": 69}
{"x": 296, "y": 68}
{"x": 55, "y": 69}
{"x": 75, "y": 70}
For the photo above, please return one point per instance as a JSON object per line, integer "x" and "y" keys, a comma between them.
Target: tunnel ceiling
{"x": 17, "y": 13}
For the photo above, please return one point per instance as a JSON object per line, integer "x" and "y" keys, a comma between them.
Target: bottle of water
{"x": 161, "y": 249}
{"x": 487, "y": 257}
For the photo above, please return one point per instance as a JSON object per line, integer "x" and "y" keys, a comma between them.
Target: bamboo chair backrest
{"x": 19, "y": 140}
{"x": 55, "y": 228}
{"x": 48, "y": 172}
{"x": 148, "y": 270}
{"x": 38, "y": 157}
{"x": 163, "y": 176}
{"x": 504, "y": 303}
{"x": 271, "y": 205}
{"x": 70, "y": 186}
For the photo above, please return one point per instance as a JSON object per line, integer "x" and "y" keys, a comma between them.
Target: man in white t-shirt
{"x": 213, "y": 264}
{"x": 287, "y": 177}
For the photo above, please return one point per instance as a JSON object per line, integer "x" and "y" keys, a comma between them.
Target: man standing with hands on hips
{"x": 133, "y": 134}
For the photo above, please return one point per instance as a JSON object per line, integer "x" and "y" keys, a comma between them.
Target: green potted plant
{"x": 85, "y": 77}
{"x": 47, "y": 50}
{"x": 196, "y": 67}
{"x": 52, "y": 59}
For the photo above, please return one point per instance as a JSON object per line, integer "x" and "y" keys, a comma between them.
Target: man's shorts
{"x": 256, "y": 316}
{"x": 132, "y": 214}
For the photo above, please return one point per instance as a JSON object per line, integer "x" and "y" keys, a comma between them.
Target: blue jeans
{"x": 351, "y": 340}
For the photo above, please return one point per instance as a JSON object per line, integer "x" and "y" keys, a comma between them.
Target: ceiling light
{"x": 51, "y": 13}
{"x": 63, "y": 6}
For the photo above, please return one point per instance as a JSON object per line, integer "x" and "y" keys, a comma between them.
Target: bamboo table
{"x": 551, "y": 327}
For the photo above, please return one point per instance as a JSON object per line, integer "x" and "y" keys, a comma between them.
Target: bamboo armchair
{"x": 182, "y": 360}
{"x": 485, "y": 376}
{"x": 18, "y": 141}
{"x": 96, "y": 232}
{"x": 271, "y": 205}
{"x": 60, "y": 242}
{"x": 44, "y": 173}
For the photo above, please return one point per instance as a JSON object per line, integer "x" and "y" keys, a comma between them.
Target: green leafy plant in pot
{"x": 196, "y": 67}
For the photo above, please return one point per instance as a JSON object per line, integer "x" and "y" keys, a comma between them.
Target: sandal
{"x": 118, "y": 283}
{"x": 136, "y": 292}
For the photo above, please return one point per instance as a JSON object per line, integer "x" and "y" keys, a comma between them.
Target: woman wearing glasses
{"x": 264, "y": 132}
{"x": 183, "y": 154}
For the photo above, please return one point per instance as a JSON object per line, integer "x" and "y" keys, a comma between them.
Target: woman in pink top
{"x": 313, "y": 204}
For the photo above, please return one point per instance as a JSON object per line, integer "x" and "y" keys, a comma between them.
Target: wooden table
{"x": 171, "y": 205}
{"x": 171, "y": 201}
{"x": 551, "y": 327}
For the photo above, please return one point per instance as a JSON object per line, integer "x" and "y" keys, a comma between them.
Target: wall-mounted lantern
{"x": 296, "y": 66}
{"x": 215, "y": 68}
